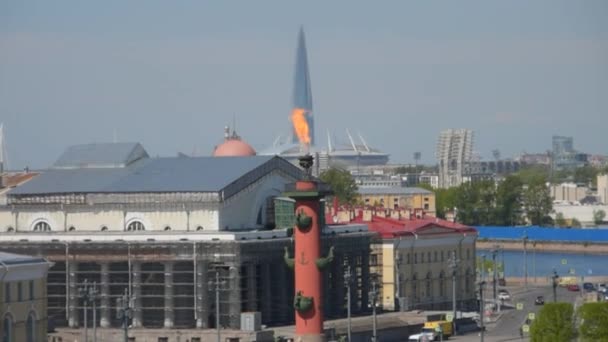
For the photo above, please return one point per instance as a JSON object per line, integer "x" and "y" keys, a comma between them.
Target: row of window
{"x": 435, "y": 257}
{"x": 7, "y": 291}
{"x": 8, "y": 328}
{"x": 44, "y": 226}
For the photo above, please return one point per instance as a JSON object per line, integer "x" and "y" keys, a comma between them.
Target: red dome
{"x": 234, "y": 148}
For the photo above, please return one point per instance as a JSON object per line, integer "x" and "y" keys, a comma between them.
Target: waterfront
{"x": 541, "y": 264}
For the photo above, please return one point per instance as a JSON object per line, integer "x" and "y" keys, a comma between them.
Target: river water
{"x": 541, "y": 264}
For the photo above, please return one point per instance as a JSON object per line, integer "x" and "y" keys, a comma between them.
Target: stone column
{"x": 137, "y": 321}
{"x": 104, "y": 320}
{"x": 234, "y": 298}
{"x": 202, "y": 295}
{"x": 365, "y": 282}
{"x": 252, "y": 297}
{"x": 266, "y": 281}
{"x": 169, "y": 312}
{"x": 73, "y": 314}
{"x": 284, "y": 305}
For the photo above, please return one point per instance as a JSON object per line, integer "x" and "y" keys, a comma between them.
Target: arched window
{"x": 7, "y": 332}
{"x": 167, "y": 228}
{"x": 429, "y": 288}
{"x": 42, "y": 226}
{"x": 135, "y": 226}
{"x": 72, "y": 228}
{"x": 10, "y": 229}
{"x": 104, "y": 228}
{"x": 415, "y": 287}
{"x": 30, "y": 328}
{"x": 199, "y": 228}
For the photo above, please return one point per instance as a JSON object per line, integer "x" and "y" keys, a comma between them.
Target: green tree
{"x": 576, "y": 223}
{"x": 560, "y": 221}
{"x": 444, "y": 199}
{"x": 533, "y": 174}
{"x": 594, "y": 322}
{"x": 598, "y": 216}
{"x": 342, "y": 183}
{"x": 508, "y": 201}
{"x": 554, "y": 323}
{"x": 537, "y": 202}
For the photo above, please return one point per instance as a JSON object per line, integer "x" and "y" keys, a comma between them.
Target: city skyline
{"x": 171, "y": 77}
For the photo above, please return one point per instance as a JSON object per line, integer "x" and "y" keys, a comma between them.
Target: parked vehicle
{"x": 573, "y": 287}
{"x": 588, "y": 287}
{"x": 445, "y": 327}
{"x": 504, "y": 295}
{"x": 540, "y": 300}
{"x": 602, "y": 288}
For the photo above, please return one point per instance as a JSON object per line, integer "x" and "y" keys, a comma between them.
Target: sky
{"x": 172, "y": 74}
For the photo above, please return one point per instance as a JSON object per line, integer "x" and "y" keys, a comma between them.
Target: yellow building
{"x": 399, "y": 197}
{"x": 412, "y": 259}
{"x": 23, "y": 298}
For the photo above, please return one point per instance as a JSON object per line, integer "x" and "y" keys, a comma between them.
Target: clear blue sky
{"x": 171, "y": 74}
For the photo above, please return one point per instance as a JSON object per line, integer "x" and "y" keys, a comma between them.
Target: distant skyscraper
{"x": 454, "y": 150}
{"x": 564, "y": 156}
{"x": 302, "y": 96}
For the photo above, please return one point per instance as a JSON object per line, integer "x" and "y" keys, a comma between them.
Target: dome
{"x": 234, "y": 148}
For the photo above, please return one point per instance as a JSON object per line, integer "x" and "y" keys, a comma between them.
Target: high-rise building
{"x": 454, "y": 150}
{"x": 564, "y": 156}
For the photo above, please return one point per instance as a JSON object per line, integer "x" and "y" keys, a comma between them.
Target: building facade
{"x": 23, "y": 300}
{"x": 454, "y": 151}
{"x": 414, "y": 199}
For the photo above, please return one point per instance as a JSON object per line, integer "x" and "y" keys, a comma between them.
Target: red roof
{"x": 389, "y": 227}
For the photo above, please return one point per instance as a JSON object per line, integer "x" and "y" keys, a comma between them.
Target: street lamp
{"x": 554, "y": 277}
{"x": 525, "y": 241}
{"x": 494, "y": 252}
{"x": 481, "y": 310}
{"x": 373, "y": 296}
{"x": 347, "y": 283}
{"x": 89, "y": 294}
{"x": 453, "y": 265}
{"x": 124, "y": 312}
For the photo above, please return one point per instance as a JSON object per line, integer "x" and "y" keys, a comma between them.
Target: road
{"x": 508, "y": 325}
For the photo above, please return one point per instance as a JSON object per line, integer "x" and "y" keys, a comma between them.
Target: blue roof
{"x": 543, "y": 234}
{"x": 171, "y": 174}
{"x": 103, "y": 155}
{"x": 392, "y": 191}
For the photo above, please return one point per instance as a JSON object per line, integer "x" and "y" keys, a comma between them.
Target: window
{"x": 8, "y": 329}
{"x": 468, "y": 254}
{"x": 441, "y": 284}
{"x": 408, "y": 258}
{"x": 135, "y": 225}
{"x": 199, "y": 228}
{"x": 428, "y": 257}
{"x": 72, "y": 228}
{"x": 30, "y": 329}
{"x": 42, "y": 226}
{"x": 422, "y": 258}
{"x": 104, "y": 229}
{"x": 167, "y": 228}
{"x": 415, "y": 258}
{"x": 7, "y": 292}
{"x": 20, "y": 291}
{"x": 442, "y": 256}
{"x": 31, "y": 288}
{"x": 429, "y": 290}
{"x": 10, "y": 229}
{"x": 435, "y": 256}
{"x": 426, "y": 206}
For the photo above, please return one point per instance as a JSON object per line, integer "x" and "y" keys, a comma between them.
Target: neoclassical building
{"x": 161, "y": 229}
{"x": 23, "y": 298}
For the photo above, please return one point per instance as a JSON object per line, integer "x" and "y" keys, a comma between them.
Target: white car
{"x": 427, "y": 335}
{"x": 504, "y": 295}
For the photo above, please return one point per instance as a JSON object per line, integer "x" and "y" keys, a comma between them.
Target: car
{"x": 602, "y": 288}
{"x": 504, "y": 295}
{"x": 573, "y": 287}
{"x": 588, "y": 287}
{"x": 540, "y": 300}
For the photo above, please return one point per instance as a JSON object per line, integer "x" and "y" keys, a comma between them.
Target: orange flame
{"x": 300, "y": 125}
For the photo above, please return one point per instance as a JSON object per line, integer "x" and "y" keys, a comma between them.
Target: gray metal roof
{"x": 103, "y": 155}
{"x": 171, "y": 174}
{"x": 17, "y": 259}
{"x": 393, "y": 191}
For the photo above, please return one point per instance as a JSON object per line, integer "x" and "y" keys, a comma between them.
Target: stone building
{"x": 23, "y": 298}
{"x": 160, "y": 229}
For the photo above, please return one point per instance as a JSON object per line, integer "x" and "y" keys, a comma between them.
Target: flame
{"x": 300, "y": 125}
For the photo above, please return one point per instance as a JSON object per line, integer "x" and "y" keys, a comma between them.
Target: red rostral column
{"x": 307, "y": 259}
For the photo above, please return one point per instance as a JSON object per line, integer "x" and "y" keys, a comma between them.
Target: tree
{"x": 537, "y": 202}
{"x": 560, "y": 221}
{"x": 508, "y": 201}
{"x": 342, "y": 183}
{"x": 576, "y": 223}
{"x": 598, "y": 216}
{"x": 594, "y": 322}
{"x": 444, "y": 199}
{"x": 554, "y": 323}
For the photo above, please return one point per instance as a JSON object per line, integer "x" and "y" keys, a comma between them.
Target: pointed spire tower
{"x": 302, "y": 96}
